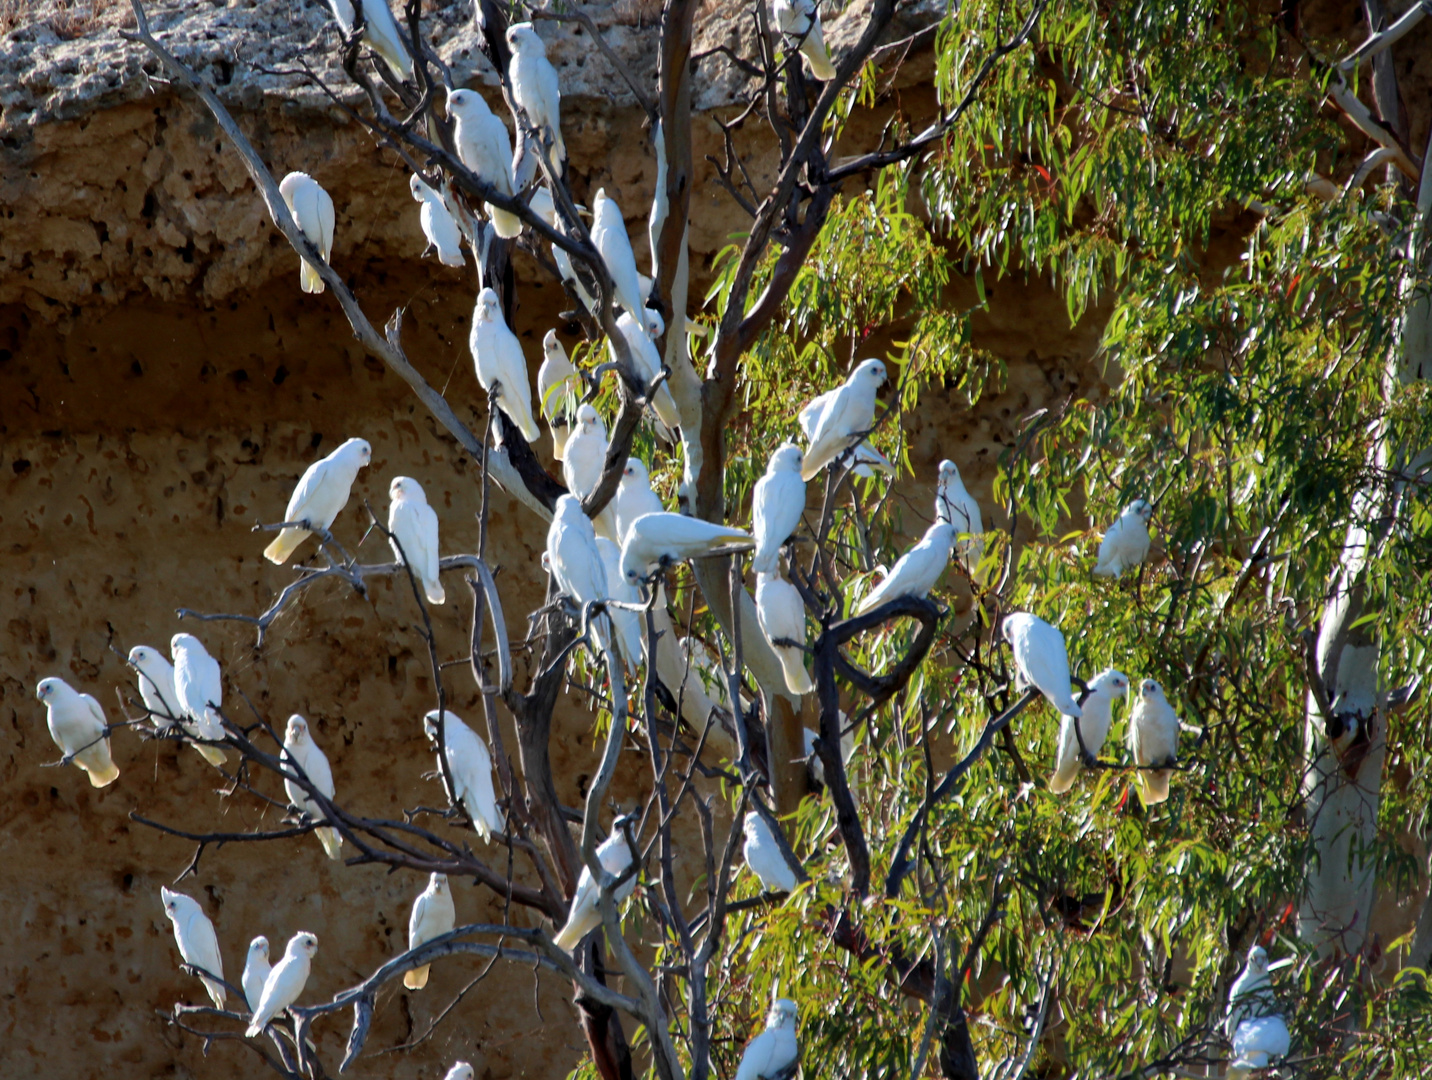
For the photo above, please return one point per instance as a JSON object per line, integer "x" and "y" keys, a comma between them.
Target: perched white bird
{"x": 776, "y": 506}
{"x": 634, "y": 497}
{"x": 312, "y": 210}
{"x": 648, "y": 363}
{"x": 471, "y": 768}
{"x": 817, "y": 766}
{"x": 1256, "y": 1044}
{"x": 583, "y": 459}
{"x": 653, "y": 539}
{"x": 1041, "y": 660}
{"x": 1126, "y": 544}
{"x": 200, "y": 689}
{"x": 845, "y": 419}
{"x": 1153, "y": 740}
{"x": 774, "y": 1050}
{"x": 660, "y": 202}
{"x": 433, "y": 915}
{"x": 585, "y": 914}
{"x": 575, "y": 561}
{"x": 534, "y": 85}
{"x": 460, "y": 1070}
{"x": 320, "y": 496}
{"x": 764, "y": 857}
{"x": 497, "y": 354}
{"x": 542, "y": 205}
{"x": 77, "y": 724}
{"x": 156, "y": 687}
{"x": 799, "y": 20}
{"x": 484, "y": 146}
{"x": 957, "y": 506}
{"x": 1251, "y": 994}
{"x": 299, "y": 748}
{"x": 379, "y": 31}
{"x": 414, "y": 525}
{"x": 437, "y": 222}
{"x": 917, "y": 571}
{"x": 868, "y": 460}
{"x": 285, "y": 982}
{"x": 256, "y": 972}
{"x": 1098, "y": 715}
{"x": 197, "y": 941}
{"x": 781, "y": 614}
{"x": 559, "y": 388}
{"x": 628, "y": 623}
{"x": 609, "y": 236}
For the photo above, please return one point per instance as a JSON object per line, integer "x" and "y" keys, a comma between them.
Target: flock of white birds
{"x": 601, "y": 563}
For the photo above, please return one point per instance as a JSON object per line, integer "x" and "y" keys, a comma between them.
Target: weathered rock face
{"x": 162, "y": 384}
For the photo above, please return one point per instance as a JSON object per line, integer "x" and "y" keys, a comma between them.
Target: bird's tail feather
{"x": 287, "y": 541}
{"x": 559, "y": 440}
{"x": 570, "y": 936}
{"x": 331, "y": 840}
{"x": 435, "y": 592}
{"x": 101, "y": 773}
{"x": 798, "y": 680}
{"x": 815, "y": 51}
{"x": 1063, "y": 778}
{"x": 212, "y": 754}
{"x": 309, "y": 279}
{"x": 1153, "y": 786}
{"x": 508, "y": 226}
{"x": 217, "y": 993}
{"x": 417, "y": 978}
{"x": 665, "y": 406}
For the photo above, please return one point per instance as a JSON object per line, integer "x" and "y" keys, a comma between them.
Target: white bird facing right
{"x": 917, "y": 571}
{"x": 1041, "y": 659}
{"x": 534, "y": 85}
{"x": 1251, "y": 994}
{"x": 380, "y": 31}
{"x": 1126, "y": 544}
{"x": 1098, "y": 716}
{"x": 585, "y": 915}
{"x": 868, "y": 460}
{"x": 846, "y": 419}
{"x": 774, "y": 1050}
{"x": 76, "y": 722}
{"x": 432, "y": 916}
{"x": 666, "y": 537}
{"x": 559, "y": 388}
{"x": 610, "y": 238}
{"x": 200, "y": 689}
{"x": 312, "y": 210}
{"x": 497, "y": 355}
{"x": 484, "y": 146}
{"x": 634, "y": 498}
{"x": 320, "y": 496}
{"x": 957, "y": 506}
{"x": 764, "y": 857}
{"x": 795, "y": 18}
{"x": 776, "y": 506}
{"x": 1153, "y": 741}
{"x": 414, "y": 525}
{"x": 256, "y": 972}
{"x": 1256, "y": 1044}
{"x": 471, "y": 768}
{"x": 197, "y": 941}
{"x": 437, "y": 223}
{"x": 300, "y": 749}
{"x": 781, "y": 615}
{"x": 285, "y": 982}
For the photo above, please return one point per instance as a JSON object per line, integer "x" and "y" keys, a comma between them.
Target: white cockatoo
{"x": 575, "y": 561}
{"x": 77, "y": 726}
{"x": 1257, "y": 1044}
{"x": 312, "y": 210}
{"x": 443, "y": 235}
{"x": 1251, "y": 994}
{"x": 957, "y": 506}
{"x": 917, "y": 571}
{"x": 1041, "y": 660}
{"x": 285, "y": 982}
{"x": 380, "y": 31}
{"x": 1126, "y": 544}
{"x": 776, "y": 506}
{"x": 156, "y": 687}
{"x": 774, "y": 1050}
{"x": 1153, "y": 741}
{"x": 868, "y": 460}
{"x": 433, "y": 915}
{"x": 1098, "y": 715}
{"x": 585, "y": 914}
{"x": 845, "y": 419}
{"x": 414, "y": 525}
{"x": 299, "y": 748}
{"x": 704, "y": 670}
{"x": 583, "y": 459}
{"x": 256, "y": 972}
{"x": 197, "y": 941}
{"x": 534, "y": 85}
{"x": 647, "y": 362}
{"x": 847, "y": 748}
{"x": 764, "y": 857}
{"x": 543, "y": 206}
{"x": 634, "y": 497}
{"x": 653, "y": 539}
{"x": 484, "y": 146}
{"x": 497, "y": 355}
{"x": 781, "y": 614}
{"x": 559, "y": 388}
{"x": 199, "y": 686}
{"x": 320, "y": 496}
{"x": 628, "y": 623}
{"x": 609, "y": 236}
{"x": 460, "y": 1070}
{"x": 799, "y": 21}
{"x": 471, "y": 768}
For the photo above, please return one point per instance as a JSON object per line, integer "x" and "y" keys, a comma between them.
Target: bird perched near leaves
{"x": 917, "y": 571}
{"x": 320, "y": 496}
{"x": 1041, "y": 660}
{"x": 380, "y": 31}
{"x": 1126, "y": 544}
{"x": 197, "y": 941}
{"x": 300, "y": 749}
{"x": 443, "y": 235}
{"x": 1257, "y": 1044}
{"x": 774, "y": 1051}
{"x": 256, "y": 972}
{"x": 1251, "y": 994}
{"x": 199, "y": 686}
{"x": 534, "y": 86}
{"x": 312, "y": 210}
{"x": 816, "y": 766}
{"x": 497, "y": 356}
{"x": 776, "y": 506}
{"x": 867, "y": 460}
{"x": 484, "y": 146}
{"x": 543, "y": 206}
{"x": 846, "y": 419}
{"x": 432, "y": 916}
{"x": 647, "y": 365}
{"x": 576, "y": 562}
{"x": 285, "y": 982}
{"x": 1153, "y": 741}
{"x": 656, "y": 539}
{"x": 780, "y": 611}
{"x": 471, "y": 768}
{"x": 634, "y": 498}
{"x": 763, "y": 856}
{"x": 559, "y": 389}
{"x": 1094, "y": 724}
{"x": 583, "y": 459}
{"x": 628, "y": 623}
{"x": 414, "y": 525}
{"x": 957, "y": 506}
{"x": 584, "y": 915}
{"x": 799, "y": 21}
{"x": 610, "y": 238}
{"x": 77, "y": 726}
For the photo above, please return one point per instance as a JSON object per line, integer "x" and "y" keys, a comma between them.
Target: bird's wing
{"x": 95, "y": 711}
{"x": 201, "y": 943}
{"x": 759, "y": 1057}
{"x": 809, "y": 418}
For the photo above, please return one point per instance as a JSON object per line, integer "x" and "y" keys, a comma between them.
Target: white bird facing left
{"x": 648, "y": 364}
{"x": 653, "y": 539}
{"x": 443, "y": 235}
{"x": 77, "y": 724}
{"x": 1256, "y": 1044}
{"x": 776, "y": 506}
{"x": 575, "y": 561}
{"x": 156, "y": 685}
{"x": 559, "y": 388}
{"x": 781, "y": 615}
{"x": 312, "y": 210}
{"x": 1153, "y": 741}
{"x": 414, "y": 525}
{"x": 256, "y": 972}
{"x": 432, "y": 916}
{"x": 320, "y": 496}
{"x": 764, "y": 857}
{"x": 584, "y": 915}
{"x": 917, "y": 571}
{"x": 774, "y": 1050}
{"x": 497, "y": 355}
{"x": 300, "y": 749}
{"x": 471, "y": 768}
{"x": 846, "y": 419}
{"x": 484, "y": 146}
{"x": 1041, "y": 659}
{"x": 197, "y": 941}
{"x": 1126, "y": 544}
{"x": 799, "y": 21}
{"x": 610, "y": 238}
{"x": 534, "y": 86}
{"x": 285, "y": 982}
{"x": 1094, "y": 724}
{"x": 380, "y": 31}
{"x": 199, "y": 686}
